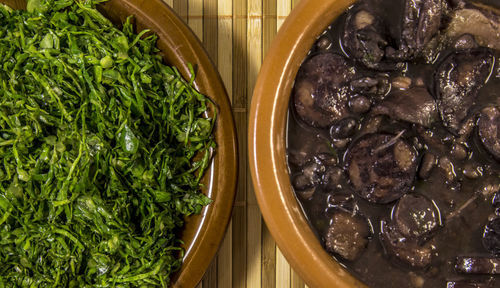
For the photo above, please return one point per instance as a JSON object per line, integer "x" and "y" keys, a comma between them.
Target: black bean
{"x": 324, "y": 43}
{"x": 307, "y": 194}
{"x": 488, "y": 187}
{"x": 333, "y": 177}
{"x": 496, "y": 200}
{"x": 341, "y": 143}
{"x": 459, "y": 151}
{"x": 339, "y": 200}
{"x": 401, "y": 82}
{"x": 343, "y": 129}
{"x": 310, "y": 175}
{"x": 465, "y": 41}
{"x": 477, "y": 265}
{"x": 360, "y": 104}
{"x": 327, "y": 159}
{"x": 471, "y": 170}
{"x": 447, "y": 168}
{"x": 372, "y": 124}
{"x": 429, "y": 161}
{"x": 491, "y": 236}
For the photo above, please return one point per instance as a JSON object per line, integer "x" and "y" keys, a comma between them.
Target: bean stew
{"x": 393, "y": 142}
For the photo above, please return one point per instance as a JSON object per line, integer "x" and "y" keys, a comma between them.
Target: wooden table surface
{"x": 237, "y": 34}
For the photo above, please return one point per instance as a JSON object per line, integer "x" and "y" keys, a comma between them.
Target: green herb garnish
{"x": 102, "y": 148}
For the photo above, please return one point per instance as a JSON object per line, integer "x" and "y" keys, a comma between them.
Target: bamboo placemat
{"x": 237, "y": 35}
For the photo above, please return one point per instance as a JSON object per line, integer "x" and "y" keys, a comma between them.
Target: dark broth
{"x": 458, "y": 234}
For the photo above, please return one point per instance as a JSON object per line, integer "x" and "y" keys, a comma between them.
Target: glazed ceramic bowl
{"x": 267, "y": 142}
{"x": 179, "y": 46}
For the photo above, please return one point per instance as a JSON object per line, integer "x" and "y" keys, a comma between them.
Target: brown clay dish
{"x": 179, "y": 46}
{"x": 338, "y": 170}
{"x": 268, "y": 119}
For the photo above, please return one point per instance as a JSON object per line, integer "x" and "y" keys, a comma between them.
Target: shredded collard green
{"x": 102, "y": 148}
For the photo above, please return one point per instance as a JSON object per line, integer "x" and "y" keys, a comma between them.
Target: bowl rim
{"x": 267, "y": 147}
{"x": 178, "y": 45}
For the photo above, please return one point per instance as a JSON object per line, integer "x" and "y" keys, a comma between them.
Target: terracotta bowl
{"x": 267, "y": 142}
{"x": 179, "y": 46}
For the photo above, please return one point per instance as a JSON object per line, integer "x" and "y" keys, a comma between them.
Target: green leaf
{"x": 47, "y": 42}
{"x": 40, "y": 6}
{"x": 102, "y": 148}
{"x": 128, "y": 140}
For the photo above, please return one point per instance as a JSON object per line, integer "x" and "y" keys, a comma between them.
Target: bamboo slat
{"x": 225, "y": 65}
{"x": 181, "y": 7}
{"x": 254, "y": 245}
{"x": 225, "y": 261}
{"x": 295, "y": 280}
{"x": 268, "y": 259}
{"x": 210, "y": 278}
{"x": 239, "y": 72}
{"x": 225, "y": 43}
{"x": 282, "y": 270}
{"x": 237, "y": 35}
{"x": 195, "y": 17}
{"x": 254, "y": 218}
{"x": 269, "y": 24}
{"x": 283, "y": 9}
{"x": 210, "y": 28}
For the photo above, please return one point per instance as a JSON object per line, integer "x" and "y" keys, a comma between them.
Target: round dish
{"x": 179, "y": 46}
{"x": 267, "y": 132}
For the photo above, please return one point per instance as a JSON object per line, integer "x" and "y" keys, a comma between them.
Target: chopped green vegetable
{"x": 102, "y": 150}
